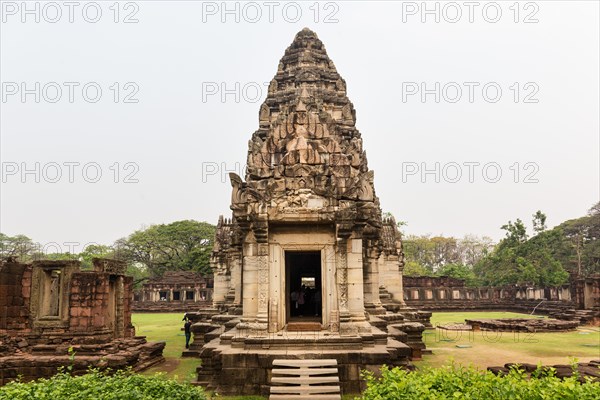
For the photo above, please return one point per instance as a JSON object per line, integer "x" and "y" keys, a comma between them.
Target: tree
{"x": 20, "y": 247}
{"x": 515, "y": 233}
{"x": 95, "y": 251}
{"x": 413, "y": 268}
{"x": 178, "y": 246}
{"x": 539, "y": 222}
{"x": 580, "y": 250}
{"x": 419, "y": 250}
{"x": 445, "y": 251}
{"x": 473, "y": 248}
{"x": 459, "y": 271}
{"x": 139, "y": 273}
{"x": 522, "y": 261}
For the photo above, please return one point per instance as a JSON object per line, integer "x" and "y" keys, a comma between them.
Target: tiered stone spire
{"x": 306, "y": 209}
{"x": 307, "y": 153}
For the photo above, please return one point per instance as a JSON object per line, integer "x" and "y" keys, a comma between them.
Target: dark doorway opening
{"x": 303, "y": 288}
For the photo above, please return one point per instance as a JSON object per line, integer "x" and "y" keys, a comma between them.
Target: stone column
{"x": 393, "y": 282}
{"x": 250, "y": 284}
{"x": 401, "y": 282}
{"x": 356, "y": 292}
{"x": 236, "y": 276}
{"x": 371, "y": 265}
{"x": 120, "y": 308}
{"x": 220, "y": 288}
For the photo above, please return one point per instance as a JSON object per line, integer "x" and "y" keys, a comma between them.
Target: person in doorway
{"x": 187, "y": 328}
{"x": 301, "y": 295}
{"x": 317, "y": 301}
{"x": 294, "y": 298}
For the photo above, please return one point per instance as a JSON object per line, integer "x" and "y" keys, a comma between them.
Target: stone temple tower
{"x": 306, "y": 249}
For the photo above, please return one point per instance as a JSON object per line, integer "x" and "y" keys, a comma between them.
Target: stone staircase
{"x": 305, "y": 380}
{"x": 584, "y": 317}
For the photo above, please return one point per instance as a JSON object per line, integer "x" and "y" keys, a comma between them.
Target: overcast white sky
{"x": 181, "y": 137}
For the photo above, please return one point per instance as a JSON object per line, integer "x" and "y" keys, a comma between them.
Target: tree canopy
{"x": 546, "y": 258}
{"x": 178, "y": 246}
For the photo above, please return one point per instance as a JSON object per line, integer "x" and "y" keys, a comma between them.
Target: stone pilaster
{"x": 236, "y": 276}
{"x": 250, "y": 283}
{"x": 261, "y": 234}
{"x": 371, "y": 275}
{"x": 393, "y": 282}
{"x": 342, "y": 278}
{"x": 346, "y": 327}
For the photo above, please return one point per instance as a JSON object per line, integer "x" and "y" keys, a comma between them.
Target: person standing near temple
{"x": 317, "y": 302}
{"x": 188, "y": 332}
{"x": 301, "y": 300}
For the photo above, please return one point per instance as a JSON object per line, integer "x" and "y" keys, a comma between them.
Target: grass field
{"x": 481, "y": 349}
{"x": 484, "y": 349}
{"x": 167, "y": 328}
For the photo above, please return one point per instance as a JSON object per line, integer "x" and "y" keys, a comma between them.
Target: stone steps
{"x": 386, "y": 300}
{"x": 305, "y": 380}
{"x": 303, "y": 326}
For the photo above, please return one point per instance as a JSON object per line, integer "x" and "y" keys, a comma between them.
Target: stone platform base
{"x": 43, "y": 361}
{"x": 235, "y": 366}
{"x": 522, "y": 324}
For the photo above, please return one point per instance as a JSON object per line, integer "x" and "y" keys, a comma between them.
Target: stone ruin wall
{"x": 586, "y": 292}
{"x": 15, "y": 294}
{"x": 48, "y": 307}
{"x": 171, "y": 285}
{"x": 578, "y": 301}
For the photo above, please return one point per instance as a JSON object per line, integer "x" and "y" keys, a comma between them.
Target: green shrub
{"x": 455, "y": 382}
{"x": 95, "y": 385}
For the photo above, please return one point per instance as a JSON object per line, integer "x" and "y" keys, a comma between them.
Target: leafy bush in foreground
{"x": 453, "y": 382}
{"x": 95, "y": 385}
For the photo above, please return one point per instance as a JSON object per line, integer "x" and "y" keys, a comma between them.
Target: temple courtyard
{"x": 481, "y": 349}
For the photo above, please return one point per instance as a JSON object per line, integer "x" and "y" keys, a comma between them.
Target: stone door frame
{"x": 288, "y": 288}
{"x": 279, "y": 243}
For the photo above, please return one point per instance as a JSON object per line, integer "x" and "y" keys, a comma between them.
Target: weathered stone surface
{"x": 578, "y": 301}
{"x": 59, "y": 307}
{"x": 522, "y": 325}
{"x": 175, "y": 291}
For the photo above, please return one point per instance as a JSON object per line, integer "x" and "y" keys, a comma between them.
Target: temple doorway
{"x": 303, "y": 286}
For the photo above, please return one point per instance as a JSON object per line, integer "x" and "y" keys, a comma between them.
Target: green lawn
{"x": 484, "y": 349}
{"x": 167, "y": 328}
{"x": 442, "y": 318}
{"x": 481, "y": 349}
